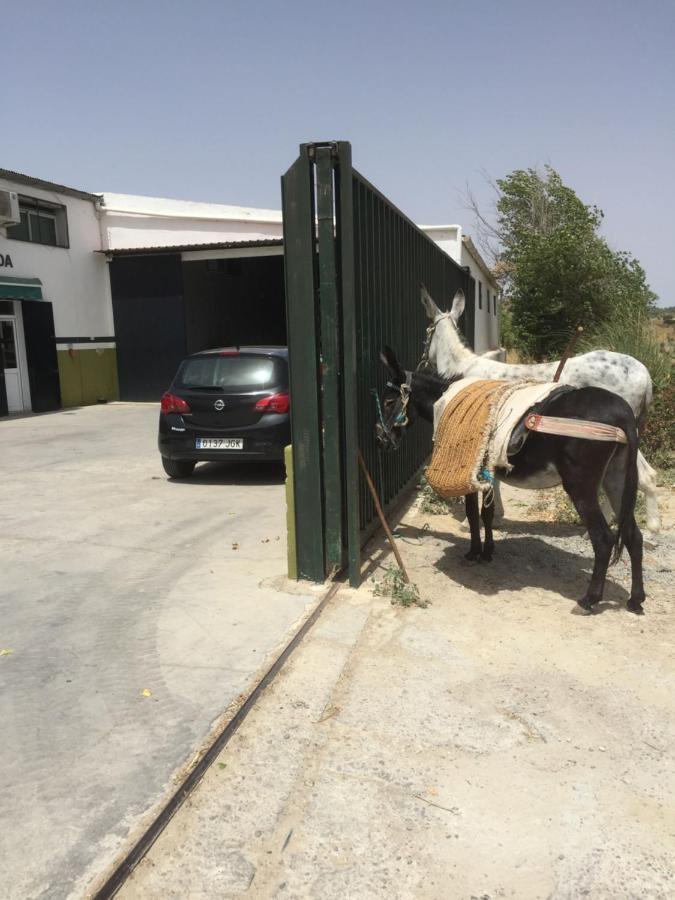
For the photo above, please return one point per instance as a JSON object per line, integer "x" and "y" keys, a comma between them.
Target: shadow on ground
{"x": 214, "y": 473}
{"x": 521, "y": 560}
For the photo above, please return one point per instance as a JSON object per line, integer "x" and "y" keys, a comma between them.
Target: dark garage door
{"x": 149, "y": 316}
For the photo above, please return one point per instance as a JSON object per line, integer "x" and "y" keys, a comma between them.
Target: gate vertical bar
{"x": 297, "y": 190}
{"x": 350, "y": 399}
{"x": 330, "y": 358}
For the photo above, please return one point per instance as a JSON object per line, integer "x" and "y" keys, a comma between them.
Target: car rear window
{"x": 232, "y": 373}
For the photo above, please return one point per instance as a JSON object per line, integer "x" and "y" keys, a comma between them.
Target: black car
{"x": 226, "y": 404}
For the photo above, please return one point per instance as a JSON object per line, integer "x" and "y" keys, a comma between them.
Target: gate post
{"x": 299, "y": 265}
{"x": 350, "y": 399}
{"x": 330, "y": 356}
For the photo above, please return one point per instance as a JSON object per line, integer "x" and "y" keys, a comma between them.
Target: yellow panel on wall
{"x": 88, "y": 376}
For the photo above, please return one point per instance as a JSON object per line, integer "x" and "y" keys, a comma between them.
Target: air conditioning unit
{"x": 9, "y": 208}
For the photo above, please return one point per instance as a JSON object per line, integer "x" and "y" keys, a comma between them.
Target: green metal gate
{"x": 353, "y": 266}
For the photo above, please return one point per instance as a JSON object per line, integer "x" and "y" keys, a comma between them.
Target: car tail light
{"x": 277, "y": 403}
{"x": 173, "y": 404}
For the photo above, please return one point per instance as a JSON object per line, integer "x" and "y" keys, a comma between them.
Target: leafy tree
{"x": 556, "y": 271}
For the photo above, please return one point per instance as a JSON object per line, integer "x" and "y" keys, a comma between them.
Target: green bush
{"x": 632, "y": 333}
{"x": 556, "y": 269}
{"x": 658, "y": 436}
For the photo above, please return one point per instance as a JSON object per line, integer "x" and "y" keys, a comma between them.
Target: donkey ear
{"x": 430, "y": 307}
{"x": 458, "y": 306}
{"x": 388, "y": 357}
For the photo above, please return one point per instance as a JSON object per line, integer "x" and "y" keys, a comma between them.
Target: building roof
{"x": 439, "y": 227}
{"x": 168, "y": 208}
{"x": 180, "y": 248}
{"x": 29, "y": 181}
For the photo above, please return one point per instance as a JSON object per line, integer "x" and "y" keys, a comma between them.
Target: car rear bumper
{"x": 264, "y": 441}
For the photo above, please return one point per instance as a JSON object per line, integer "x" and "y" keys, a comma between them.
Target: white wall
{"x": 74, "y": 279}
{"x": 451, "y": 239}
{"x": 138, "y": 222}
{"x": 448, "y": 238}
{"x": 486, "y": 333}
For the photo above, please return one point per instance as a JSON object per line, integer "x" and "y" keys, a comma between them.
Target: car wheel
{"x": 178, "y": 468}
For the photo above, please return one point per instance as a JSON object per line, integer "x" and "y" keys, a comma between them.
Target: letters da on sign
{"x": 6, "y": 261}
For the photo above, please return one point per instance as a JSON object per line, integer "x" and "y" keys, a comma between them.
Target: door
{"x": 11, "y": 365}
{"x": 147, "y": 296}
{"x": 43, "y": 366}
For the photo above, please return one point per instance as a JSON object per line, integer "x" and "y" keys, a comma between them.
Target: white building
{"x": 486, "y": 300}
{"x": 173, "y": 259}
{"x": 101, "y": 294}
{"x": 141, "y": 222}
{"x": 152, "y": 222}
{"x": 55, "y": 308}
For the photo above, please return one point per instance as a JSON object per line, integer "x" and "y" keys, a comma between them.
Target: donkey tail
{"x": 630, "y": 488}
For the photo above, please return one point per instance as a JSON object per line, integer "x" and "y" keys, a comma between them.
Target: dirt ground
{"x": 494, "y": 744}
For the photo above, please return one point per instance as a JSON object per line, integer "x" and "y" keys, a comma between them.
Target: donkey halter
{"x": 401, "y": 419}
{"x": 424, "y": 362}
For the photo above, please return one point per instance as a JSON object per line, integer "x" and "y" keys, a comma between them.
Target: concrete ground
{"x": 495, "y": 744}
{"x": 133, "y": 611}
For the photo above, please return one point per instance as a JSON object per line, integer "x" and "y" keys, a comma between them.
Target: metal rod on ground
{"x": 568, "y": 352}
{"x": 376, "y": 501}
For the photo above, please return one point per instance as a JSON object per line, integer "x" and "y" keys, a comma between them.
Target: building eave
{"x": 136, "y": 206}
{"x": 41, "y": 184}
{"x": 480, "y": 262}
{"x": 428, "y": 228}
{"x": 185, "y": 248}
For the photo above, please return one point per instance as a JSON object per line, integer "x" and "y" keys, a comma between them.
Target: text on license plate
{"x": 219, "y": 443}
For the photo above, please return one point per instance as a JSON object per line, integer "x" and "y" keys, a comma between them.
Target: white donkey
{"x": 446, "y": 352}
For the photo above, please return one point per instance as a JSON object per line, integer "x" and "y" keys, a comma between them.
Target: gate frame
{"x": 323, "y": 318}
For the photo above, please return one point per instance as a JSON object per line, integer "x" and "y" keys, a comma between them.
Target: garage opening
{"x": 230, "y": 302}
{"x": 176, "y": 301}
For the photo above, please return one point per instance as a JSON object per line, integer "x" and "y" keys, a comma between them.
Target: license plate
{"x": 219, "y": 443}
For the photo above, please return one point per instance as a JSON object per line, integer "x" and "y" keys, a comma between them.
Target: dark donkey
{"x": 543, "y": 461}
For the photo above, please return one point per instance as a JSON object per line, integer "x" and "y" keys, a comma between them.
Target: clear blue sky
{"x": 208, "y": 100}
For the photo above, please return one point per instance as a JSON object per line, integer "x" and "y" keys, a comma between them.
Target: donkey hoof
{"x": 635, "y": 606}
{"x": 486, "y": 556}
{"x": 586, "y": 606}
{"x": 473, "y": 555}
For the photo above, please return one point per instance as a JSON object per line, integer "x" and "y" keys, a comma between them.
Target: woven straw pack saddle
{"x": 477, "y": 424}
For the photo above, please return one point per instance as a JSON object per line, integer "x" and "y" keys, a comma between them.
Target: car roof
{"x": 268, "y": 350}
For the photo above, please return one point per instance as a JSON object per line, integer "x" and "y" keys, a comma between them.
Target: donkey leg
{"x": 498, "y": 502}
{"x": 613, "y": 483}
{"x": 472, "y": 514}
{"x": 647, "y": 484}
{"x": 487, "y": 515}
{"x": 584, "y": 496}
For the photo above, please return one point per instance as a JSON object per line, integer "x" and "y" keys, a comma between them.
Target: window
{"x": 494, "y": 304}
{"x": 487, "y": 292}
{"x": 480, "y": 295}
{"x": 232, "y": 374}
{"x": 9, "y": 343}
{"x": 41, "y": 223}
